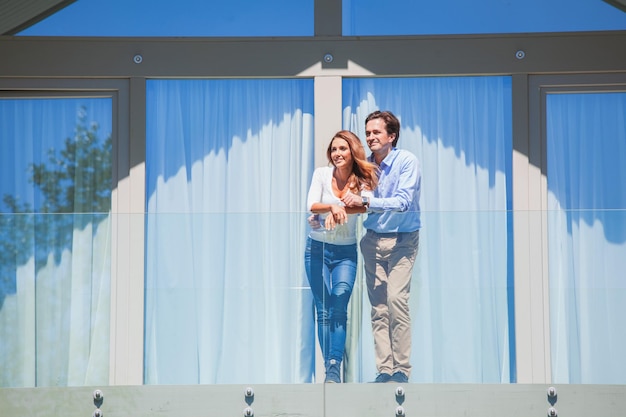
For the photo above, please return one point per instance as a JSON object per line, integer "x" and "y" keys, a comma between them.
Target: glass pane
{"x": 586, "y": 147}
{"x": 180, "y": 18}
{"x": 363, "y": 17}
{"x": 227, "y": 165}
{"x": 55, "y": 180}
{"x": 460, "y": 130}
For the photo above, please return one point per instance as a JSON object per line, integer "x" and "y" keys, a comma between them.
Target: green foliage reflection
{"x": 74, "y": 188}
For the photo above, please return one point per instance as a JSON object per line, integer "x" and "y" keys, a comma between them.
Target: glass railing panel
{"x": 228, "y": 300}
{"x": 54, "y": 299}
{"x": 586, "y": 262}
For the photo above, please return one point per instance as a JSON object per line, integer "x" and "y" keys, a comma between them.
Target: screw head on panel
{"x": 137, "y": 59}
{"x": 98, "y": 395}
{"x": 520, "y": 54}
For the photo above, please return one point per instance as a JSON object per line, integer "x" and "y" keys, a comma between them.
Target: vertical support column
{"x": 327, "y": 114}
{"x": 127, "y": 272}
{"x": 327, "y": 110}
{"x": 531, "y": 290}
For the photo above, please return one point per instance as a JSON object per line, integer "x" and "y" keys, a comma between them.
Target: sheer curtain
{"x": 586, "y": 149}
{"x": 55, "y": 249}
{"x": 228, "y": 164}
{"x": 460, "y": 129}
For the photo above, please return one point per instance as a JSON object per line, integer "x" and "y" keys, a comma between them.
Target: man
{"x": 390, "y": 244}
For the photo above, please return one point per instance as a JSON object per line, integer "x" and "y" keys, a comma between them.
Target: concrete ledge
{"x": 317, "y": 400}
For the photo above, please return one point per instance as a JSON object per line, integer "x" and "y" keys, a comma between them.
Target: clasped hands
{"x": 350, "y": 199}
{"x": 338, "y": 214}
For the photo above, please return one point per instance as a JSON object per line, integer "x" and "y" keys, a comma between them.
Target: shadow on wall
{"x": 197, "y": 118}
{"x": 206, "y": 116}
{"x": 585, "y": 146}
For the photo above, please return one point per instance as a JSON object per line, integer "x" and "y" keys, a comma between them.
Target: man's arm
{"x": 409, "y": 181}
{"x": 407, "y": 174}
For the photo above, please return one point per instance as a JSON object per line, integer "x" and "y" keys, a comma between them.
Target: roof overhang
{"x": 16, "y": 16}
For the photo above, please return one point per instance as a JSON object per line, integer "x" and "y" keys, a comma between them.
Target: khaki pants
{"x": 389, "y": 260}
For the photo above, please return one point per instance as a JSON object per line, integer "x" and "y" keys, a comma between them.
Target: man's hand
{"x": 352, "y": 200}
{"x": 314, "y": 221}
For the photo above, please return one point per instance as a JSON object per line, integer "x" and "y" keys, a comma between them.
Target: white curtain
{"x": 461, "y": 299}
{"x": 55, "y": 268}
{"x": 586, "y": 149}
{"x": 228, "y": 165}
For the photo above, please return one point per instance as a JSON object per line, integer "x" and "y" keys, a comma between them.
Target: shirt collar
{"x": 388, "y": 159}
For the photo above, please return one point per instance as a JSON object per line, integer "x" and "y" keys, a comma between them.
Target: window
{"x": 55, "y": 232}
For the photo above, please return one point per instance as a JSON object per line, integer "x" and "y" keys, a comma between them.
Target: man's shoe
{"x": 399, "y": 377}
{"x": 333, "y": 372}
{"x": 382, "y": 377}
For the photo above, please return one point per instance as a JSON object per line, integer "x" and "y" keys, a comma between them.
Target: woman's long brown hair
{"x": 364, "y": 173}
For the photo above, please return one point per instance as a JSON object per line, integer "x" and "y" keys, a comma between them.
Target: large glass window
{"x": 195, "y": 18}
{"x": 190, "y": 18}
{"x": 228, "y": 164}
{"x": 55, "y": 241}
{"x": 216, "y": 292}
{"x": 460, "y": 129}
{"x": 586, "y": 148}
{"x": 450, "y": 17}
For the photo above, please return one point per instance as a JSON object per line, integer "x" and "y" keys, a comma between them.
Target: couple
{"x": 386, "y": 186}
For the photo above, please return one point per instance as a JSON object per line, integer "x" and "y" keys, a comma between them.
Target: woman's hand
{"x": 329, "y": 222}
{"x": 338, "y": 216}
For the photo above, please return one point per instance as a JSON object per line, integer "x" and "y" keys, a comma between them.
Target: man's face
{"x": 377, "y": 138}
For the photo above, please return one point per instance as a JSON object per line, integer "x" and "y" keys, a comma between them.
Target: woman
{"x": 331, "y": 252}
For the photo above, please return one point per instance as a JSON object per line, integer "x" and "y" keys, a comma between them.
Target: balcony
{"x": 318, "y": 400}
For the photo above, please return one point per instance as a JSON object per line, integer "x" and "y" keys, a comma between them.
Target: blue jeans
{"x": 333, "y": 265}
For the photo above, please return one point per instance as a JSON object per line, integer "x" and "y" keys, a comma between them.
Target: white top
{"x": 321, "y": 191}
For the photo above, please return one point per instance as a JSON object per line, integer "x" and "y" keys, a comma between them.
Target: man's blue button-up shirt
{"x": 394, "y": 205}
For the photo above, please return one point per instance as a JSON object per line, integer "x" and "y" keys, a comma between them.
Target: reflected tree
{"x": 74, "y": 190}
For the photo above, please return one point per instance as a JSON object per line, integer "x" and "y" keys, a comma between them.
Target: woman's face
{"x": 340, "y": 153}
